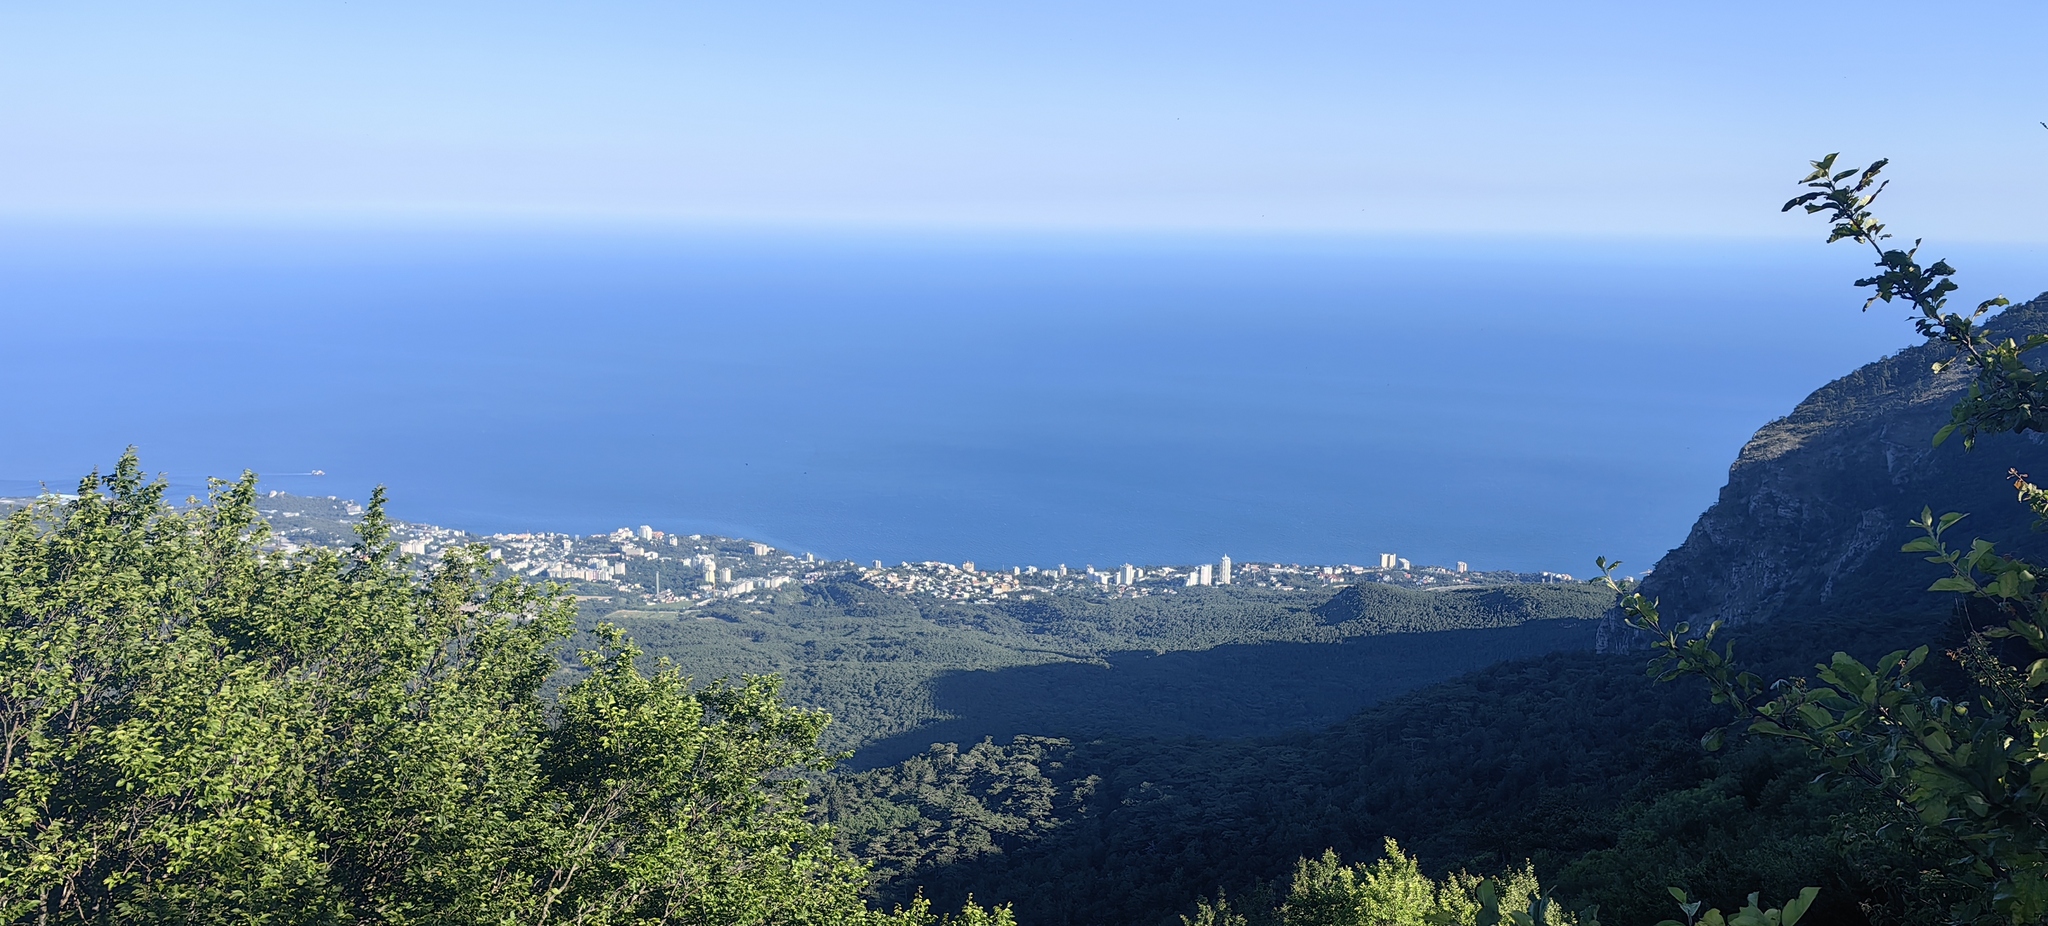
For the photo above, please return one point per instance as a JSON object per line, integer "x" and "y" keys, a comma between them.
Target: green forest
{"x": 899, "y": 673}
{"x": 1576, "y": 761}
{"x": 202, "y": 727}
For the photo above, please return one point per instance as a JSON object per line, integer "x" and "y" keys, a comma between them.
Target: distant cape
{"x": 1817, "y": 503}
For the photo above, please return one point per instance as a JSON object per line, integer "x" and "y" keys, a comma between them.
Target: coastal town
{"x": 697, "y": 570}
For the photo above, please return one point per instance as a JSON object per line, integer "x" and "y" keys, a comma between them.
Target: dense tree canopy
{"x": 198, "y": 728}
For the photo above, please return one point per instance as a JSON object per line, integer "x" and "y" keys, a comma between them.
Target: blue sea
{"x": 1005, "y": 398}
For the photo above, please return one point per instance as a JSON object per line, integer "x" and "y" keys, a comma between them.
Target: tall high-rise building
{"x": 1223, "y": 574}
{"x": 646, "y": 532}
{"x": 1404, "y": 565}
{"x": 1194, "y": 577}
{"x": 1462, "y": 567}
{"x": 1129, "y": 575}
{"x": 1389, "y": 560}
{"x": 1207, "y": 576}
{"x": 710, "y": 571}
{"x": 725, "y": 575}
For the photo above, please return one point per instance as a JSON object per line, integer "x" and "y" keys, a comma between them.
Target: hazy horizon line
{"x": 530, "y": 222}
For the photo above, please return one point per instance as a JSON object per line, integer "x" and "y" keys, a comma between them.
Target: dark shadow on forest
{"x": 1226, "y": 692}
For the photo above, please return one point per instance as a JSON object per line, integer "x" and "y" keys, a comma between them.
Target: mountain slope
{"x": 1817, "y": 503}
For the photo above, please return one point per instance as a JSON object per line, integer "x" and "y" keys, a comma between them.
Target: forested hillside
{"x": 1575, "y": 760}
{"x": 899, "y": 673}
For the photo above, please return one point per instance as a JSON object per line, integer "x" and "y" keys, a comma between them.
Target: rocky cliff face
{"x": 1817, "y": 503}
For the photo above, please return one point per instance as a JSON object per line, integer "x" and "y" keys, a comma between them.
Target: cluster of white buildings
{"x": 964, "y": 582}
{"x": 665, "y": 566}
{"x": 699, "y": 574}
{"x": 1391, "y": 561}
{"x": 694, "y": 569}
{"x": 1205, "y": 575}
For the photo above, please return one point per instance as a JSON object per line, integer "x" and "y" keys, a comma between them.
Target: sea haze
{"x": 1010, "y": 399}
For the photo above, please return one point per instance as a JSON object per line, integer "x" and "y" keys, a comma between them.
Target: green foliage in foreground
{"x": 197, "y": 731}
{"x": 1749, "y": 914}
{"x": 1394, "y": 891}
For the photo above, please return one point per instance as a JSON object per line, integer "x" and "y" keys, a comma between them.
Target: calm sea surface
{"x": 1012, "y": 400}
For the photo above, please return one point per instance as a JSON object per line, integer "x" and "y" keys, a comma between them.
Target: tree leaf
{"x": 1797, "y": 906}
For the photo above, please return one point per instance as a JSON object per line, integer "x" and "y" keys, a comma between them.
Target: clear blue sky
{"x": 1492, "y": 118}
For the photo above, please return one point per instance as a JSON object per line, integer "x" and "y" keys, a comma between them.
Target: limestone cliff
{"x": 1818, "y": 501}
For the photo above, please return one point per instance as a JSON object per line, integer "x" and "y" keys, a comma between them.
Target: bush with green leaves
{"x": 1750, "y": 914}
{"x": 1393, "y": 891}
{"x": 196, "y": 727}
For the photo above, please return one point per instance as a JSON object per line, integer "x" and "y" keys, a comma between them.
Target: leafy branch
{"x": 2007, "y": 395}
{"x": 1968, "y": 772}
